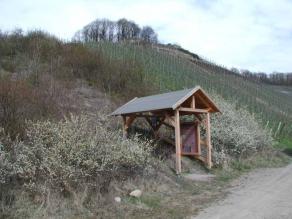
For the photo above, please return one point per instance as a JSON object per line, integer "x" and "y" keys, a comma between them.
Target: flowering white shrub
{"x": 236, "y": 132}
{"x": 72, "y": 151}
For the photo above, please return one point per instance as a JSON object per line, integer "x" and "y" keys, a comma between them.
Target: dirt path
{"x": 262, "y": 194}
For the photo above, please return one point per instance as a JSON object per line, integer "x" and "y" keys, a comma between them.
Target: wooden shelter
{"x": 169, "y": 109}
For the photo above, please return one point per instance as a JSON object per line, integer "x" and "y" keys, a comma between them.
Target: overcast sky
{"x": 247, "y": 34}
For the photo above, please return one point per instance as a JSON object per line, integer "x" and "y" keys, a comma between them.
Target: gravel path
{"x": 262, "y": 194}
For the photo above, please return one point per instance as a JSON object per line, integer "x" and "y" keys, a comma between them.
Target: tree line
{"x": 115, "y": 31}
{"x": 275, "y": 78}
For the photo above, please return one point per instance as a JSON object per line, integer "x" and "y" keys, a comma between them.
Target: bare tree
{"x": 122, "y": 30}
{"x": 148, "y": 35}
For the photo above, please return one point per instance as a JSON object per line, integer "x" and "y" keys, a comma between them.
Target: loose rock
{"x": 136, "y": 193}
{"x": 118, "y": 199}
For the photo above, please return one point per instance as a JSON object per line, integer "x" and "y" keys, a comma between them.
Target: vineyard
{"x": 168, "y": 68}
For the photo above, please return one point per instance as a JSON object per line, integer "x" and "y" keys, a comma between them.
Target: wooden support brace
{"x": 169, "y": 120}
{"x": 200, "y": 158}
{"x": 127, "y": 121}
{"x": 185, "y": 109}
{"x": 198, "y": 116}
{"x": 168, "y": 125}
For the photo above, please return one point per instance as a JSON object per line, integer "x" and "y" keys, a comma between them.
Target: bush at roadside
{"x": 236, "y": 132}
{"x": 69, "y": 153}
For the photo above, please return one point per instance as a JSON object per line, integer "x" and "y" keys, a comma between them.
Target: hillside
{"x": 62, "y": 156}
{"x": 127, "y": 69}
{"x": 169, "y": 68}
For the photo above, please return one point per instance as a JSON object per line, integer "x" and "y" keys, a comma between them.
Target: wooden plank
{"x": 168, "y": 125}
{"x": 177, "y": 142}
{"x": 169, "y": 120}
{"x": 208, "y": 141}
{"x": 203, "y": 143}
{"x": 185, "y": 109}
{"x": 190, "y": 153}
{"x": 198, "y": 116}
{"x": 199, "y": 138}
{"x": 193, "y": 102}
{"x": 187, "y": 123}
{"x": 127, "y": 121}
{"x": 125, "y": 131}
{"x": 144, "y": 115}
{"x": 130, "y": 120}
{"x": 200, "y": 158}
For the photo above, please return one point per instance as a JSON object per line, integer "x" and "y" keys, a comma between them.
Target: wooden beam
{"x": 208, "y": 141}
{"x": 168, "y": 125}
{"x": 199, "y": 138}
{"x": 177, "y": 143}
{"x": 125, "y": 131}
{"x": 130, "y": 120}
{"x": 169, "y": 119}
{"x": 198, "y": 116}
{"x": 190, "y": 153}
{"x": 200, "y": 158}
{"x": 185, "y": 109}
{"x": 127, "y": 121}
{"x": 193, "y": 102}
{"x": 203, "y": 143}
{"x": 143, "y": 115}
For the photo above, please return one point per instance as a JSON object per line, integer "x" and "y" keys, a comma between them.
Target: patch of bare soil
{"x": 263, "y": 193}
{"x": 88, "y": 99}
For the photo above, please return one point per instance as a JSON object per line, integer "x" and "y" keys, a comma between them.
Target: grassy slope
{"x": 170, "y": 69}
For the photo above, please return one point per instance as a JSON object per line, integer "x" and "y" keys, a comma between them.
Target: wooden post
{"x": 208, "y": 141}
{"x": 177, "y": 143}
{"x": 125, "y": 129}
{"x": 193, "y": 103}
{"x": 199, "y": 138}
{"x": 127, "y": 121}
